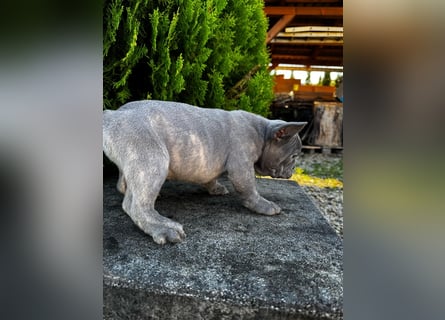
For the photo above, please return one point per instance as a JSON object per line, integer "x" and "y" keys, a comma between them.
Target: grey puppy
{"x": 151, "y": 141}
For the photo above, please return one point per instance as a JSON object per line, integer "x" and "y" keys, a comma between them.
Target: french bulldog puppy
{"x": 151, "y": 141}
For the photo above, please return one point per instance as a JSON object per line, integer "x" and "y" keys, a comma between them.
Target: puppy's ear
{"x": 287, "y": 130}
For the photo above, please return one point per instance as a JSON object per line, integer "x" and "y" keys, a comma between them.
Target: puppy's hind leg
{"x": 215, "y": 188}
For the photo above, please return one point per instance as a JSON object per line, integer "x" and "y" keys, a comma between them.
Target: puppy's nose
{"x": 286, "y": 176}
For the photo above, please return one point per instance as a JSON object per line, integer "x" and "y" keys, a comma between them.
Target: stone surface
{"x": 234, "y": 264}
{"x": 328, "y": 200}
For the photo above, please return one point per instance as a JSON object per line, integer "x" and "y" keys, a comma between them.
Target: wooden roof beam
{"x": 306, "y": 60}
{"x": 311, "y": 1}
{"x": 314, "y": 29}
{"x": 315, "y": 53}
{"x": 307, "y": 68}
{"x": 311, "y": 34}
{"x": 312, "y": 63}
{"x": 327, "y": 42}
{"x": 280, "y": 25}
{"x": 295, "y": 57}
{"x": 304, "y": 11}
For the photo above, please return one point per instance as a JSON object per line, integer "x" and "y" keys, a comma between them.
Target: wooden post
{"x": 328, "y": 125}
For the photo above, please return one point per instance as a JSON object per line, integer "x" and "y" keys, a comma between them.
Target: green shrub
{"x": 207, "y": 53}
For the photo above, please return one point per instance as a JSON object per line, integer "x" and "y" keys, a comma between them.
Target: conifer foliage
{"x": 209, "y": 53}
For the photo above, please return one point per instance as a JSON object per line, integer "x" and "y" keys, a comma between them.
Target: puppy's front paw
{"x": 263, "y": 206}
{"x": 162, "y": 229}
{"x": 169, "y": 234}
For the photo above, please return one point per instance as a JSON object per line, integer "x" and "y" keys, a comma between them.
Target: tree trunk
{"x": 328, "y": 125}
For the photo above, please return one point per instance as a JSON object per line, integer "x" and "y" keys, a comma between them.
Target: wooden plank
{"x": 314, "y": 28}
{"x": 307, "y": 61}
{"x": 311, "y": 34}
{"x": 305, "y": 11}
{"x": 306, "y": 68}
{"x": 285, "y": 85}
{"x": 310, "y": 88}
{"x": 309, "y": 1}
{"x": 279, "y": 26}
{"x": 291, "y": 56}
{"x": 330, "y": 42}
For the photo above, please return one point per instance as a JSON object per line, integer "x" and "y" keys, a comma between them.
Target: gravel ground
{"x": 329, "y": 200}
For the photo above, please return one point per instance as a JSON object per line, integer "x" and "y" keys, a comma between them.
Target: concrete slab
{"x": 234, "y": 264}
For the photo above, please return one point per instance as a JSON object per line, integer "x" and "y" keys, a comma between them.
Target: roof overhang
{"x": 305, "y": 32}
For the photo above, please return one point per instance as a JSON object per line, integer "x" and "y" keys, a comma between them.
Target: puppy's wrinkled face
{"x": 279, "y": 156}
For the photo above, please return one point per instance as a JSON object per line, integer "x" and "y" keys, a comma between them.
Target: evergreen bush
{"x": 326, "y": 79}
{"x": 210, "y": 53}
{"x": 308, "y": 79}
